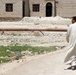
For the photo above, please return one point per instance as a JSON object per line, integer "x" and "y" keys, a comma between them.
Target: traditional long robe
{"x": 71, "y": 39}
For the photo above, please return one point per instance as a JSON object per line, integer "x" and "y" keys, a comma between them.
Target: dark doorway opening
{"x": 48, "y": 9}
{"x": 23, "y": 9}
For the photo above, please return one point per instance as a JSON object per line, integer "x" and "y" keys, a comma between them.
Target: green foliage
{"x": 40, "y": 50}
{"x": 4, "y": 52}
{"x": 10, "y": 51}
{"x": 3, "y": 60}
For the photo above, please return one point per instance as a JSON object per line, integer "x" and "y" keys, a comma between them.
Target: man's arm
{"x": 68, "y": 33}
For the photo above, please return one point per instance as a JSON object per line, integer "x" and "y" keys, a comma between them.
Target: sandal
{"x": 73, "y": 67}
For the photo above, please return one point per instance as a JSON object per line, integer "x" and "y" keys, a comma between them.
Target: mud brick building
{"x": 17, "y": 9}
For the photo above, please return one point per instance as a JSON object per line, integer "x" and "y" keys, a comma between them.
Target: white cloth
{"x": 73, "y": 63}
{"x": 71, "y": 39}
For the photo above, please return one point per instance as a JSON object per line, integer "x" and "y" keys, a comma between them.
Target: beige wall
{"x": 66, "y": 8}
{"x": 42, "y": 12}
{"x": 17, "y": 8}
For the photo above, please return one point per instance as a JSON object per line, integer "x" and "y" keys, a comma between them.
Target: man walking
{"x": 71, "y": 39}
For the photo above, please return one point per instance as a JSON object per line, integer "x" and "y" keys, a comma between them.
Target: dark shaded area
{"x": 48, "y": 9}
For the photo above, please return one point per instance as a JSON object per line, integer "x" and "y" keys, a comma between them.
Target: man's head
{"x": 73, "y": 19}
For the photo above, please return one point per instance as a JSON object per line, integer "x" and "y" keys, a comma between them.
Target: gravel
{"x": 35, "y": 38}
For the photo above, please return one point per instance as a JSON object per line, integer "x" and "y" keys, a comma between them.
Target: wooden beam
{"x": 34, "y": 29}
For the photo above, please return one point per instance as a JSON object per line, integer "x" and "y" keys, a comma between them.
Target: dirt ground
{"x": 45, "y": 64}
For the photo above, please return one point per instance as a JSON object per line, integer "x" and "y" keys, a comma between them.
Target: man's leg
{"x": 73, "y": 64}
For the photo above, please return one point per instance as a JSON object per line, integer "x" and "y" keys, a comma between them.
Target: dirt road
{"x": 46, "y": 64}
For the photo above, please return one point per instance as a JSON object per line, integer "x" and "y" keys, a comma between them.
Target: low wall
{"x": 9, "y": 19}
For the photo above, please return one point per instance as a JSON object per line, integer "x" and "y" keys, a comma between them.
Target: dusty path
{"x": 47, "y": 64}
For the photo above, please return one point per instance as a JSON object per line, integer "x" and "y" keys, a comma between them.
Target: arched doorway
{"x": 48, "y": 9}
